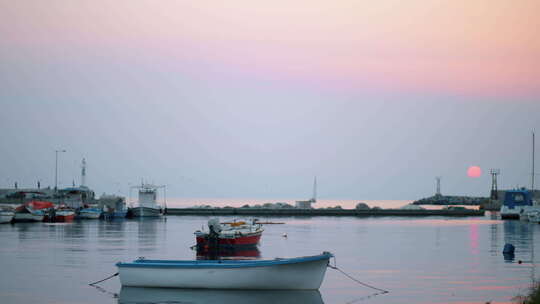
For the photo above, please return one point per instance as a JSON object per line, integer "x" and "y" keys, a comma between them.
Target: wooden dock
{"x": 321, "y": 212}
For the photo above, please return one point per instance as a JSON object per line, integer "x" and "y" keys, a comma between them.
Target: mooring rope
{"x": 356, "y": 280}
{"x": 109, "y": 277}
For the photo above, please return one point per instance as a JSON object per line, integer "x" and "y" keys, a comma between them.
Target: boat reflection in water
{"x": 230, "y": 252}
{"x": 132, "y": 295}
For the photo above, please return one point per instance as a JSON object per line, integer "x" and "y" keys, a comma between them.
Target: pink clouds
{"x": 476, "y": 47}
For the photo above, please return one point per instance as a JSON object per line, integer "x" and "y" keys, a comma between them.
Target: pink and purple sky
{"x": 252, "y": 98}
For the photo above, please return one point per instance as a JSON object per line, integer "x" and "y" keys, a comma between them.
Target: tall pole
{"x": 494, "y": 188}
{"x": 165, "y": 199}
{"x": 56, "y": 169}
{"x": 532, "y": 173}
{"x": 315, "y": 189}
{"x": 438, "y": 190}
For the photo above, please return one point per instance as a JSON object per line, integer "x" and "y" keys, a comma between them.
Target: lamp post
{"x": 56, "y": 169}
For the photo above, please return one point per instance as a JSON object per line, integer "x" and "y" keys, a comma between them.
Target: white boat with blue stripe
{"x": 301, "y": 273}
{"x": 92, "y": 212}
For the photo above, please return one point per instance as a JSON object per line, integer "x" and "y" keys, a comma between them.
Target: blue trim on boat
{"x": 221, "y": 263}
{"x": 90, "y": 210}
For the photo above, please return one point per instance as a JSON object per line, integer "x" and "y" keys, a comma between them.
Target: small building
{"x": 305, "y": 204}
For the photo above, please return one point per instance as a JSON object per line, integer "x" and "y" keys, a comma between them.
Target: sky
{"x": 253, "y": 99}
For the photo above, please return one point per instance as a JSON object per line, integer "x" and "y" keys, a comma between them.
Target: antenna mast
{"x": 438, "y": 191}
{"x": 83, "y": 172}
{"x": 494, "y": 190}
{"x": 314, "y": 199}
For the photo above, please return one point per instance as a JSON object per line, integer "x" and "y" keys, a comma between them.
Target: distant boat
{"x": 59, "y": 214}
{"x": 527, "y": 207}
{"x": 114, "y": 207}
{"x": 534, "y": 216}
{"x": 302, "y": 273}
{"x": 516, "y": 202}
{"x": 33, "y": 211}
{"x": 90, "y": 212}
{"x": 6, "y": 216}
{"x": 130, "y": 295}
{"x": 147, "y": 205}
{"x": 64, "y": 214}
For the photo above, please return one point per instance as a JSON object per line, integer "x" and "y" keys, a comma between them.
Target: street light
{"x": 56, "y": 169}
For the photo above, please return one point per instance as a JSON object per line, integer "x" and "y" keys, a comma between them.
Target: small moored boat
{"x": 90, "y": 212}
{"x": 147, "y": 204}
{"x": 33, "y": 211}
{"x": 302, "y": 273}
{"x": 232, "y": 234}
{"x": 6, "y": 216}
{"x": 64, "y": 214}
{"x": 534, "y": 216}
{"x": 516, "y": 202}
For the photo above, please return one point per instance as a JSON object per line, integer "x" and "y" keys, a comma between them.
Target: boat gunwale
{"x": 142, "y": 263}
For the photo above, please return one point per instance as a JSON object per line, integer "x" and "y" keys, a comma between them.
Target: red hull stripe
{"x": 66, "y": 218}
{"x": 243, "y": 240}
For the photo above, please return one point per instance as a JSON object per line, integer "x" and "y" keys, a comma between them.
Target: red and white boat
{"x": 64, "y": 214}
{"x": 33, "y": 211}
{"x": 232, "y": 234}
{"x": 60, "y": 214}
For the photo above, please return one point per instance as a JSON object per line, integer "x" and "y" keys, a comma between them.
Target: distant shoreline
{"x": 322, "y": 212}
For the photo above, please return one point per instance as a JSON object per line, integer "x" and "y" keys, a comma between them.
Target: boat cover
{"x": 38, "y": 205}
{"x": 514, "y": 198}
{"x": 35, "y": 205}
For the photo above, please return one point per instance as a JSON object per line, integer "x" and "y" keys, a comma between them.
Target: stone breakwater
{"x": 321, "y": 212}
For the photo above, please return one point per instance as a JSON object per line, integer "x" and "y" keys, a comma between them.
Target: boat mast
{"x": 532, "y": 172}
{"x": 314, "y": 199}
{"x": 83, "y": 172}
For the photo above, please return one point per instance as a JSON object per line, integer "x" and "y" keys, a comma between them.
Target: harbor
{"x": 263, "y": 152}
{"x": 80, "y": 252}
{"x": 250, "y": 212}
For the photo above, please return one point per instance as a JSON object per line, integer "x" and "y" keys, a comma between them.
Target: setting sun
{"x": 474, "y": 171}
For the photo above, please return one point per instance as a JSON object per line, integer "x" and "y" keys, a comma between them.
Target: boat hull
{"x": 251, "y": 239}
{"x": 64, "y": 216}
{"x": 145, "y": 212}
{"x": 28, "y": 217}
{"x": 300, "y": 274}
{"x": 534, "y": 216}
{"x": 515, "y": 212}
{"x": 89, "y": 214}
{"x": 114, "y": 215}
{"x": 6, "y": 217}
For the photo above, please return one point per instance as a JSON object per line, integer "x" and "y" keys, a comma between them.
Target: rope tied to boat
{"x": 354, "y": 279}
{"x": 109, "y": 277}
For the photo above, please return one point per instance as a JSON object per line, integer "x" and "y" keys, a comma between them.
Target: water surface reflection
{"x": 134, "y": 295}
{"x": 424, "y": 260}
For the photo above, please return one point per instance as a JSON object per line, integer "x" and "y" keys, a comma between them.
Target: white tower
{"x": 83, "y": 173}
{"x": 438, "y": 191}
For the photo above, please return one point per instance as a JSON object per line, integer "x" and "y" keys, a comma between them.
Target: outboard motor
{"x": 214, "y": 225}
{"x": 213, "y": 238}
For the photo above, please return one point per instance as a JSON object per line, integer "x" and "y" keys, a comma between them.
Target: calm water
{"x": 420, "y": 260}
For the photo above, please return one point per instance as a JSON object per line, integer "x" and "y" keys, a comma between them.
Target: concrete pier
{"x": 321, "y": 212}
